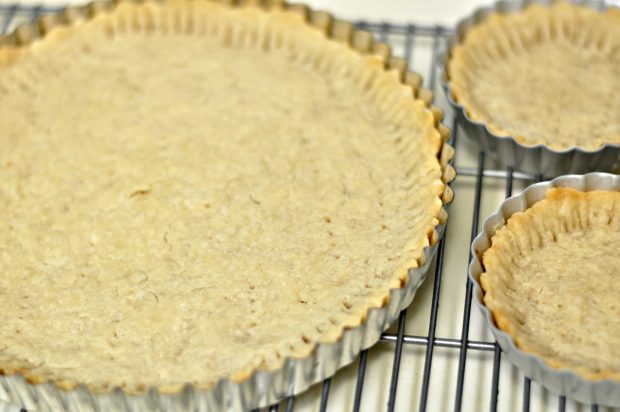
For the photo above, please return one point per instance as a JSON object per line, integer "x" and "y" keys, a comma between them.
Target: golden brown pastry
{"x": 190, "y": 191}
{"x": 551, "y": 280}
{"x": 547, "y": 75}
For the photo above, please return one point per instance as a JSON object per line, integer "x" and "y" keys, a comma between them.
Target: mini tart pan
{"x": 534, "y": 159}
{"x": 293, "y": 375}
{"x": 561, "y": 381}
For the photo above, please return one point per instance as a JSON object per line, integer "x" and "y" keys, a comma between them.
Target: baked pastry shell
{"x": 535, "y": 159}
{"x": 561, "y": 381}
{"x": 257, "y": 387}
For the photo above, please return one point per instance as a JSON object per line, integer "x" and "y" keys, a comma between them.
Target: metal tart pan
{"x": 535, "y": 159}
{"x": 561, "y": 381}
{"x": 295, "y": 375}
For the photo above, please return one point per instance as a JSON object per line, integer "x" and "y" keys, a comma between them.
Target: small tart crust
{"x": 547, "y": 75}
{"x": 256, "y": 200}
{"x": 551, "y": 281}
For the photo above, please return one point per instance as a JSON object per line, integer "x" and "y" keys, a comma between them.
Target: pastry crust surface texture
{"x": 547, "y": 75}
{"x": 192, "y": 192}
{"x": 551, "y": 281}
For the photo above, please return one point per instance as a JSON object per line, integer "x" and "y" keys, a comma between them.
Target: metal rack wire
{"x": 408, "y": 37}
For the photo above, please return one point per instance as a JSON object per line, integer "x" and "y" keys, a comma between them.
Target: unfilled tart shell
{"x": 546, "y": 75}
{"x": 551, "y": 281}
{"x": 148, "y": 246}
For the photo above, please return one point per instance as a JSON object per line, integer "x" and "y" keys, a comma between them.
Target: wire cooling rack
{"x": 438, "y": 356}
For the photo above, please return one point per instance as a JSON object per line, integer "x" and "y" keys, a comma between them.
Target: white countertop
{"x": 419, "y": 11}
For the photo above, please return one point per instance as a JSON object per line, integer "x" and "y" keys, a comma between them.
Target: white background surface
{"x": 443, "y": 378}
{"x": 428, "y": 11}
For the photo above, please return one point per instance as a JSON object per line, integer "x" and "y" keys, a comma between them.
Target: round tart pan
{"x": 261, "y": 387}
{"x": 536, "y": 159}
{"x": 561, "y": 381}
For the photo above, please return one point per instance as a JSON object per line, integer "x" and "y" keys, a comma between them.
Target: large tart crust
{"x": 551, "y": 281}
{"x": 192, "y": 192}
{"x": 547, "y": 75}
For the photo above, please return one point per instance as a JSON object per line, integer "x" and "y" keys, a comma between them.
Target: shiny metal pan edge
{"x": 536, "y": 159}
{"x": 561, "y": 381}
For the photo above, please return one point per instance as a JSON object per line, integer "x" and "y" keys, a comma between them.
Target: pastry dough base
{"x": 547, "y": 75}
{"x": 163, "y": 230}
{"x": 551, "y": 281}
